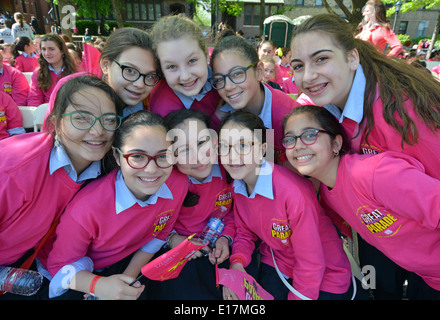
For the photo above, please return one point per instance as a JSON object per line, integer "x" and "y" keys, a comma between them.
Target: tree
{"x": 353, "y": 16}
{"x": 414, "y": 5}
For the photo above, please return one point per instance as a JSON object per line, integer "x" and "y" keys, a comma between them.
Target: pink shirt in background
{"x": 26, "y": 64}
{"x": 38, "y": 96}
{"x": 14, "y": 83}
{"x": 390, "y": 201}
{"x": 380, "y": 37}
{"x": 10, "y": 115}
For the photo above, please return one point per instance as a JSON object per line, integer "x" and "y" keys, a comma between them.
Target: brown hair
{"x": 123, "y": 39}
{"x": 380, "y": 12}
{"x": 325, "y": 120}
{"x": 44, "y": 78}
{"x": 64, "y": 98}
{"x": 176, "y": 27}
{"x": 396, "y": 80}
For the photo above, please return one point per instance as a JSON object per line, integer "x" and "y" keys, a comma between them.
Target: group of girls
{"x": 74, "y": 194}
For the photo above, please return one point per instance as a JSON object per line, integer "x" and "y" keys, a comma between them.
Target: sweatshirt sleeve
{"x": 396, "y": 175}
{"x": 244, "y": 242}
{"x": 20, "y": 89}
{"x": 65, "y": 251}
{"x": 393, "y": 42}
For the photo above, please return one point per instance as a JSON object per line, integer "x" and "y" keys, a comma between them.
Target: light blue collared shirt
{"x": 188, "y": 100}
{"x": 266, "y": 111}
{"x": 263, "y": 186}
{"x": 215, "y": 172}
{"x": 125, "y": 198}
{"x": 59, "y": 159}
{"x": 354, "y": 108}
{"x": 132, "y": 109}
{"x": 57, "y": 73}
{"x": 32, "y": 55}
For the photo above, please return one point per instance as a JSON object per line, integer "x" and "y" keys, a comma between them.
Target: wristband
{"x": 93, "y": 284}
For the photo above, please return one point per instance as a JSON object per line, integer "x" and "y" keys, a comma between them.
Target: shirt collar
{"x": 263, "y": 186}
{"x": 32, "y": 55}
{"x": 266, "y": 111}
{"x": 215, "y": 172}
{"x": 60, "y": 159}
{"x": 132, "y": 109}
{"x": 57, "y": 73}
{"x": 125, "y": 198}
{"x": 188, "y": 100}
{"x": 354, "y": 108}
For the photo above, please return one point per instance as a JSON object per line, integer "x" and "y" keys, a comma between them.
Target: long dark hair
{"x": 44, "y": 77}
{"x": 397, "y": 81}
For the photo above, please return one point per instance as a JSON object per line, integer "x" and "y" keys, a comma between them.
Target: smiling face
{"x": 184, "y": 65}
{"x": 246, "y": 96}
{"x": 241, "y": 167}
{"x": 150, "y": 140}
{"x": 130, "y": 92}
{"x": 51, "y": 53}
{"x": 323, "y": 71}
{"x": 195, "y": 157}
{"x": 316, "y": 160}
{"x": 86, "y": 146}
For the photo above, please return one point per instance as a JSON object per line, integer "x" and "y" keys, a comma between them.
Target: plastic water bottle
{"x": 20, "y": 281}
{"x": 212, "y": 231}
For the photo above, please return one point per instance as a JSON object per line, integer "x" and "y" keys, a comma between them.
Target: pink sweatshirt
{"x": 163, "y": 100}
{"x": 289, "y": 86}
{"x": 390, "y": 201}
{"x": 38, "y": 96}
{"x": 91, "y": 227}
{"x": 215, "y": 201}
{"x": 294, "y": 226}
{"x": 381, "y": 36}
{"x": 383, "y": 137}
{"x": 31, "y": 198}
{"x": 10, "y": 115}
{"x": 26, "y": 64}
{"x": 14, "y": 83}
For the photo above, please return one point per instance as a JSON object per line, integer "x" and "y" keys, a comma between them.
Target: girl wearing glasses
{"x": 55, "y": 63}
{"x": 279, "y": 207}
{"x": 209, "y": 195}
{"x": 117, "y": 223}
{"x": 237, "y": 75}
{"x": 129, "y": 67}
{"x": 374, "y": 194}
{"x": 383, "y": 105}
{"x": 42, "y": 172}
{"x": 181, "y": 49}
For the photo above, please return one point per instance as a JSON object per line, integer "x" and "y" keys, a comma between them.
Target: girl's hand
{"x": 200, "y": 253}
{"x": 116, "y": 287}
{"x": 220, "y": 252}
{"x": 228, "y": 294}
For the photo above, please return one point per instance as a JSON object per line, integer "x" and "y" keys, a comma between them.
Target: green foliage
{"x": 83, "y": 24}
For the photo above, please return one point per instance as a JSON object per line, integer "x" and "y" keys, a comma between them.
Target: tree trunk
{"x": 117, "y": 13}
{"x": 262, "y": 17}
{"x": 434, "y": 38}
